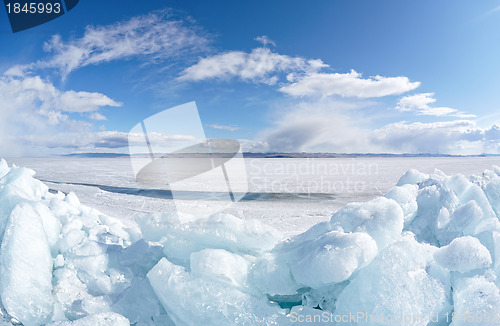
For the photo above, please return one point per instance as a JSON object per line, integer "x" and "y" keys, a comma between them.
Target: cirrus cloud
{"x": 155, "y": 36}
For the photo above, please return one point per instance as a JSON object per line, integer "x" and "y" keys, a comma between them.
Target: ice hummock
{"x": 194, "y": 300}
{"x": 26, "y": 267}
{"x": 427, "y": 251}
{"x": 463, "y": 255}
{"x": 401, "y": 280}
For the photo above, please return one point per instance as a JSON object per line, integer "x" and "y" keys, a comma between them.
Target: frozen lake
{"x": 289, "y": 194}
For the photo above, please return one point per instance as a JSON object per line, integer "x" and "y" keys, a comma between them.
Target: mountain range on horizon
{"x": 281, "y": 155}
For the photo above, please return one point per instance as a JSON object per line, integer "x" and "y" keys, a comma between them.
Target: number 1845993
{"x": 34, "y": 8}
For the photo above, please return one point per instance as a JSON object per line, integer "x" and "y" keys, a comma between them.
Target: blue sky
{"x": 288, "y": 76}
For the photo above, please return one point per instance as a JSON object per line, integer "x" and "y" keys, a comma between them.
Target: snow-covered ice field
{"x": 324, "y": 185}
{"x": 409, "y": 248}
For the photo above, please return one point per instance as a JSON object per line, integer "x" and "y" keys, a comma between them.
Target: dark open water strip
{"x": 199, "y": 195}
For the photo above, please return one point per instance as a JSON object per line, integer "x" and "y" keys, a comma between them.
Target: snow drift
{"x": 427, "y": 253}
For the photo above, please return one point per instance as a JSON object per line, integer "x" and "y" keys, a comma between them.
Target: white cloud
{"x": 98, "y": 141}
{"x": 221, "y": 127}
{"x": 36, "y": 115}
{"x": 420, "y": 104}
{"x": 304, "y": 78}
{"x": 436, "y": 137}
{"x": 156, "y": 36}
{"x": 348, "y": 85}
{"x": 316, "y": 126}
{"x": 16, "y": 71}
{"x": 261, "y": 65}
{"x": 33, "y": 89}
{"x": 492, "y": 134}
{"x": 72, "y": 101}
{"x": 323, "y": 126}
{"x": 97, "y": 116}
{"x": 34, "y": 107}
{"x": 265, "y": 40}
